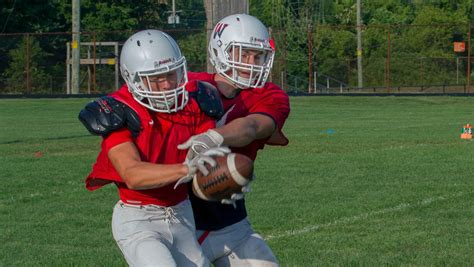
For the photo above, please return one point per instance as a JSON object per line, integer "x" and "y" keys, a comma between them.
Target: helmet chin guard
{"x": 231, "y": 40}
{"x": 149, "y": 54}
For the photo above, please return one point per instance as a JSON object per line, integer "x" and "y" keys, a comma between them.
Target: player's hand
{"x": 201, "y": 142}
{"x": 105, "y": 115}
{"x": 238, "y": 196}
{"x": 199, "y": 163}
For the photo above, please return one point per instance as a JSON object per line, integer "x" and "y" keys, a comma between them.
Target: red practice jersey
{"x": 157, "y": 143}
{"x": 269, "y": 100}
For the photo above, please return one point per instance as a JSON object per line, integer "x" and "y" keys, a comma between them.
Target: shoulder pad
{"x": 106, "y": 114}
{"x": 208, "y": 98}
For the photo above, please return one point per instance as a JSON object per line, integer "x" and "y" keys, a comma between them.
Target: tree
{"x": 15, "y": 73}
{"x": 194, "y": 49}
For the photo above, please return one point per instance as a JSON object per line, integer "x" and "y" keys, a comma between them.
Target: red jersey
{"x": 269, "y": 100}
{"x": 156, "y": 143}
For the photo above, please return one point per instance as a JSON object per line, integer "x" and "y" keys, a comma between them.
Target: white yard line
{"x": 398, "y": 208}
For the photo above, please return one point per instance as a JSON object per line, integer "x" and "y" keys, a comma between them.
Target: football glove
{"x": 199, "y": 163}
{"x": 238, "y": 196}
{"x": 201, "y": 142}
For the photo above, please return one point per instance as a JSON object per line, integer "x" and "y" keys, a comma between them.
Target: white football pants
{"x": 152, "y": 235}
{"x": 236, "y": 245}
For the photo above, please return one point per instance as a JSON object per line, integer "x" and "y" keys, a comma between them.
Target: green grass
{"x": 365, "y": 181}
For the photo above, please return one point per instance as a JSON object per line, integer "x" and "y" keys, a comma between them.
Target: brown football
{"x": 231, "y": 173}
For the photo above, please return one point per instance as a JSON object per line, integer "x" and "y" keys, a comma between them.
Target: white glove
{"x": 199, "y": 143}
{"x": 237, "y": 196}
{"x": 198, "y": 163}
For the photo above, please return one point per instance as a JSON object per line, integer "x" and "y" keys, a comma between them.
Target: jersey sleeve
{"x": 273, "y": 102}
{"x": 116, "y": 138}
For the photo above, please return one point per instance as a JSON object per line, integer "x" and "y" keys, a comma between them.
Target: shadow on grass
{"x": 44, "y": 139}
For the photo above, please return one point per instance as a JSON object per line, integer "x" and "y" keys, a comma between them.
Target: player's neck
{"x": 227, "y": 89}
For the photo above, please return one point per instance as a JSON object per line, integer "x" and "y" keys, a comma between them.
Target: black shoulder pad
{"x": 105, "y": 115}
{"x": 90, "y": 122}
{"x": 209, "y": 100}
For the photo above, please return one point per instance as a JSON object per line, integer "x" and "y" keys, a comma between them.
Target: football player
{"x": 254, "y": 113}
{"x": 241, "y": 51}
{"x": 153, "y": 222}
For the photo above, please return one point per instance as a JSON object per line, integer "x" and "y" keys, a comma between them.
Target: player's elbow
{"x": 249, "y": 134}
{"x": 250, "y": 131}
{"x": 132, "y": 181}
{"x": 246, "y": 135}
{"x": 260, "y": 126}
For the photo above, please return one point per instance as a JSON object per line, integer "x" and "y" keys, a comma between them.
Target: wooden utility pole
{"x": 310, "y": 60}
{"x": 218, "y": 9}
{"x": 359, "y": 47}
{"x": 75, "y": 45}
{"x": 27, "y": 70}
{"x": 387, "y": 63}
{"x": 468, "y": 76}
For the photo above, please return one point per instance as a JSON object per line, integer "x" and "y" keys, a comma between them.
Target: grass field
{"x": 365, "y": 181}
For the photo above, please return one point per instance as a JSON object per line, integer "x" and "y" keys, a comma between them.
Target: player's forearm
{"x": 243, "y": 131}
{"x": 147, "y": 175}
{"x": 238, "y": 133}
{"x": 138, "y": 174}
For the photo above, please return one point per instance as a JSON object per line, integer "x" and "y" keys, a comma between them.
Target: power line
{"x": 6, "y": 22}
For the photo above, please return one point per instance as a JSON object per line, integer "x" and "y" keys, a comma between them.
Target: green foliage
{"x": 345, "y": 13}
{"x": 32, "y": 16}
{"x": 103, "y": 16}
{"x": 194, "y": 48}
{"x": 434, "y": 41}
{"x": 420, "y": 33}
{"x": 264, "y": 10}
{"x": 416, "y": 43}
{"x": 391, "y": 12}
{"x": 192, "y": 14}
{"x": 15, "y": 72}
{"x": 337, "y": 46}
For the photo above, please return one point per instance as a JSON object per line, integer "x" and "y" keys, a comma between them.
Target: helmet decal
{"x": 220, "y": 27}
{"x": 168, "y": 60}
{"x": 257, "y": 40}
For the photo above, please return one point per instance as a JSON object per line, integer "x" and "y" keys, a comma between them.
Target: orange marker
{"x": 466, "y": 132}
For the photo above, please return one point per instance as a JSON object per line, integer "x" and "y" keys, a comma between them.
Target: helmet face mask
{"x": 162, "y": 90}
{"x": 248, "y": 66}
{"x": 241, "y": 50}
{"x": 155, "y": 71}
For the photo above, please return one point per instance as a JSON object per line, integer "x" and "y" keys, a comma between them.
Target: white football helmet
{"x": 235, "y": 35}
{"x": 149, "y": 54}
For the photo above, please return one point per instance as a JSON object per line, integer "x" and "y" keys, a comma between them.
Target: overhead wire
{"x": 8, "y": 17}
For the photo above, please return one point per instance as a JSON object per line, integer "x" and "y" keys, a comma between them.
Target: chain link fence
{"x": 315, "y": 59}
{"x": 39, "y": 63}
{"x": 320, "y": 59}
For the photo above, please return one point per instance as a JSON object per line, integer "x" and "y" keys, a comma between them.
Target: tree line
{"x": 421, "y": 32}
